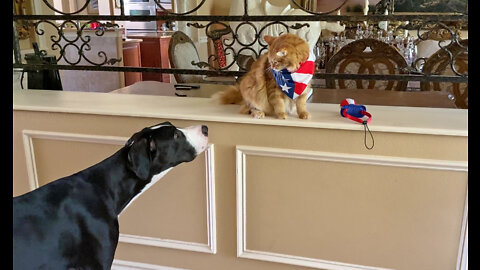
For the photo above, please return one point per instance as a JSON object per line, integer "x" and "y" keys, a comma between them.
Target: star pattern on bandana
{"x": 293, "y": 84}
{"x": 285, "y": 88}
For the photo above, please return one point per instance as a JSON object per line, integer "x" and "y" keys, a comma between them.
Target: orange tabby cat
{"x": 258, "y": 91}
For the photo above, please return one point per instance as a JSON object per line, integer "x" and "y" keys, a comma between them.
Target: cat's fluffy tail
{"x": 230, "y": 96}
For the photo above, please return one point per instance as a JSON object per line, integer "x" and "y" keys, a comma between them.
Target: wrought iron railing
{"x": 449, "y": 23}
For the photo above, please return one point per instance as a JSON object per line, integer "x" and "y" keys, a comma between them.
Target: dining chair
{"x": 182, "y": 53}
{"x": 367, "y": 56}
{"x": 440, "y": 64}
{"x": 430, "y": 41}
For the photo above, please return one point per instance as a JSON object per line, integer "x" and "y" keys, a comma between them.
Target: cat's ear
{"x": 269, "y": 39}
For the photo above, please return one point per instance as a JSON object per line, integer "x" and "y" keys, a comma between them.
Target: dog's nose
{"x": 205, "y": 130}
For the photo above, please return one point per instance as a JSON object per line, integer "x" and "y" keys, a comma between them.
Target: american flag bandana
{"x": 294, "y": 83}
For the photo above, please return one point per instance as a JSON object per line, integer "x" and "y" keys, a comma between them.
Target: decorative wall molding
{"x": 462, "y": 258}
{"x": 210, "y": 247}
{"x": 432, "y": 164}
{"x": 166, "y": 243}
{"x": 241, "y": 154}
{"x": 29, "y": 135}
{"x": 129, "y": 265}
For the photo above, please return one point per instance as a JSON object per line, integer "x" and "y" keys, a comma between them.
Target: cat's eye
{"x": 281, "y": 53}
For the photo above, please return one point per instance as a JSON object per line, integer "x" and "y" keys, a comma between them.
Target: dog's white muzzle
{"x": 197, "y": 136}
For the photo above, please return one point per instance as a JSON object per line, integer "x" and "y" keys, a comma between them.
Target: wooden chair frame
{"x": 439, "y": 64}
{"x": 354, "y": 52}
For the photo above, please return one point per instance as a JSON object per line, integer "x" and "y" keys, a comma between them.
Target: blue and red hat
{"x": 349, "y": 109}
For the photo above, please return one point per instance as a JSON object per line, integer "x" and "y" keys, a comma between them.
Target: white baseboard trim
{"x": 129, "y": 265}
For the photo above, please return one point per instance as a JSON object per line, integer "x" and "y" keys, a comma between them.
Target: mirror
{"x": 320, "y": 6}
{"x": 431, "y": 6}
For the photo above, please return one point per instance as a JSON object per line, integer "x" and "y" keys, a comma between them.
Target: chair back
{"x": 367, "y": 56}
{"x": 182, "y": 53}
{"x": 439, "y": 64}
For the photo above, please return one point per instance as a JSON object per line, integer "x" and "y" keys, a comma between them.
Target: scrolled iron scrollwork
{"x": 253, "y": 38}
{"x": 298, "y": 26}
{"x": 79, "y": 42}
{"x": 236, "y": 45}
{"x": 226, "y": 32}
{"x": 196, "y": 25}
{"x": 447, "y": 37}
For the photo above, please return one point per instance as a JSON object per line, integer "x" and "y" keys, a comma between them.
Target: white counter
{"x": 434, "y": 121}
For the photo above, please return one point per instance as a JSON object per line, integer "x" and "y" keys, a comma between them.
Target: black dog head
{"x": 157, "y": 148}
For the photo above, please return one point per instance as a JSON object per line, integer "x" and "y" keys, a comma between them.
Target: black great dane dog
{"x": 72, "y": 223}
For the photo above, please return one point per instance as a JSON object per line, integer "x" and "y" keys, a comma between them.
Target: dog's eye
{"x": 176, "y": 134}
{"x": 152, "y": 146}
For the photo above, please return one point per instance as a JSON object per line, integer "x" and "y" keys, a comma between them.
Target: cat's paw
{"x": 304, "y": 115}
{"x": 258, "y": 114}
{"x": 282, "y": 115}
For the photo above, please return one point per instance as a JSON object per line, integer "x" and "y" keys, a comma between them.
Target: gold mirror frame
{"x": 24, "y": 29}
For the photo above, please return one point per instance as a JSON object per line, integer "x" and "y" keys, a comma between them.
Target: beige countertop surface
{"x": 399, "y": 119}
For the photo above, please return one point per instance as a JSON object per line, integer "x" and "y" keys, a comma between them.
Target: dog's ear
{"x": 138, "y": 158}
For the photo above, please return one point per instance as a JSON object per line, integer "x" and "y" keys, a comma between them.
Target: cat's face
{"x": 286, "y": 51}
{"x": 282, "y": 59}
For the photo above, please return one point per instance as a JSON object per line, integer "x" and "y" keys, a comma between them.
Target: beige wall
{"x": 259, "y": 197}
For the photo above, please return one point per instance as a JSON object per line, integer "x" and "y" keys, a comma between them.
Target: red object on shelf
{"x": 94, "y": 25}
{"x": 222, "y": 60}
